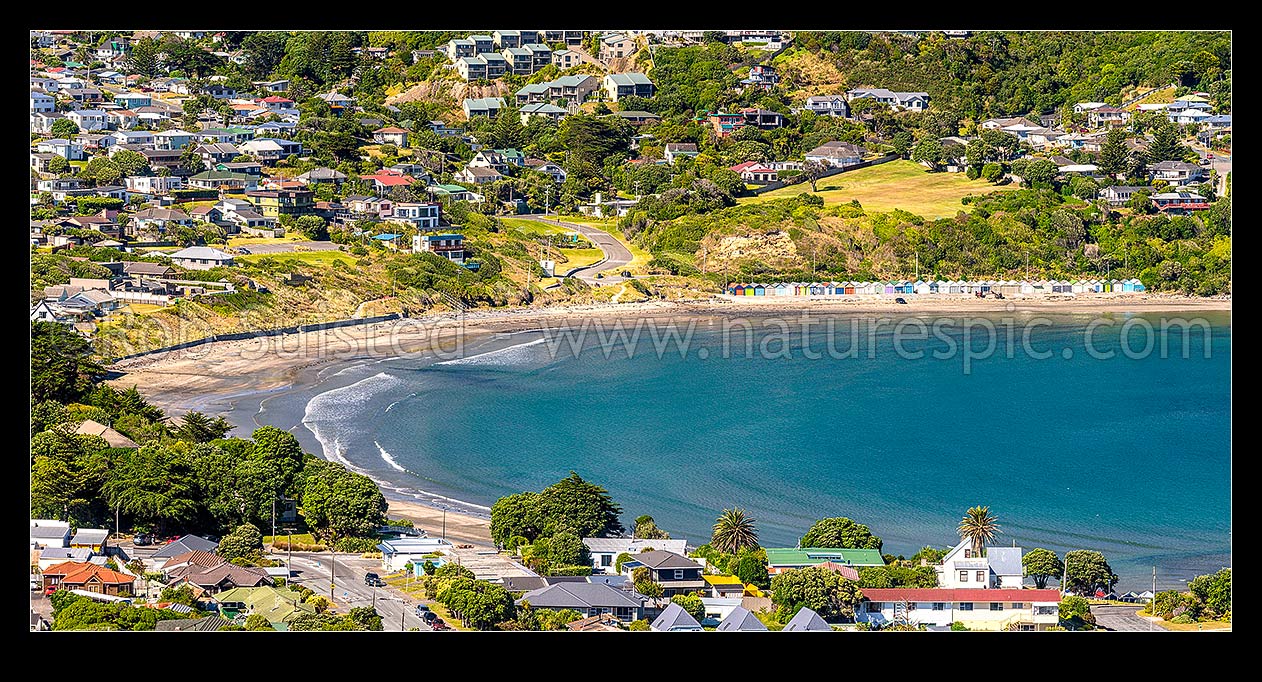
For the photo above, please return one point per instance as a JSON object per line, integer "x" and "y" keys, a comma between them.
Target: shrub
{"x": 958, "y": 627}
{"x": 638, "y": 625}
{"x": 1182, "y": 619}
{"x": 355, "y": 545}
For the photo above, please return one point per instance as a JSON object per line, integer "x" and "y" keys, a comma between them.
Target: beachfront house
{"x": 604, "y": 551}
{"x": 677, "y": 574}
{"x": 976, "y": 609}
{"x": 398, "y": 553}
{"x": 993, "y": 568}
{"x": 780, "y": 560}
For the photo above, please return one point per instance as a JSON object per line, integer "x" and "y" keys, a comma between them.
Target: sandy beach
{"x": 232, "y": 377}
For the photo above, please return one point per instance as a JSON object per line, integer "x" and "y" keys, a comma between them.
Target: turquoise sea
{"x": 1128, "y": 455}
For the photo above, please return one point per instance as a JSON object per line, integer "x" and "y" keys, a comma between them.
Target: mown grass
{"x": 321, "y": 258}
{"x": 897, "y": 184}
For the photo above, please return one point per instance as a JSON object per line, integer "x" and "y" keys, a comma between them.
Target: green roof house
{"x": 783, "y": 559}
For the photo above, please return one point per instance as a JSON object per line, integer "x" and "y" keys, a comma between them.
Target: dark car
{"x": 373, "y": 580}
{"x": 142, "y": 540}
{"x": 430, "y": 617}
{"x": 901, "y": 300}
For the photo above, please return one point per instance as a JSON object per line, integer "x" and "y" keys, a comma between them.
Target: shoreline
{"x": 227, "y": 377}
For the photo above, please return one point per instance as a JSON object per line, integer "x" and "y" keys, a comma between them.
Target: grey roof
{"x": 541, "y": 108}
{"x": 619, "y": 581}
{"x": 629, "y": 79}
{"x": 675, "y": 618}
{"x": 1005, "y": 560}
{"x": 67, "y": 553}
{"x": 658, "y": 559}
{"x": 207, "y": 624}
{"x": 201, "y": 253}
{"x": 521, "y": 583}
{"x": 741, "y": 620}
{"x": 143, "y": 268}
{"x": 323, "y": 174}
{"x": 188, "y": 543}
{"x": 49, "y": 531}
{"x": 579, "y": 596}
{"x": 806, "y": 620}
{"x": 1174, "y": 165}
{"x": 90, "y": 536}
{"x": 634, "y": 545}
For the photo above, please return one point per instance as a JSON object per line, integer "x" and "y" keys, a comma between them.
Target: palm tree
{"x": 734, "y": 531}
{"x": 979, "y": 527}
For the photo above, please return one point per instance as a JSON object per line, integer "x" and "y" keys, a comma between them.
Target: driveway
{"x": 286, "y": 247}
{"x": 1123, "y": 619}
{"x": 616, "y": 253}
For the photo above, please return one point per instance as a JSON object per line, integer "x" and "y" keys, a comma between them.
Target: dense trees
{"x": 244, "y": 542}
{"x": 1041, "y": 564}
{"x": 64, "y": 128}
{"x": 1087, "y": 571}
{"x": 840, "y": 532}
{"x": 62, "y": 366}
{"x": 572, "y": 504}
{"x": 74, "y": 612}
{"x": 822, "y": 590}
{"x": 341, "y": 503}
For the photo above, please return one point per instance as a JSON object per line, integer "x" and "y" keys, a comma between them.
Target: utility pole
{"x": 917, "y": 266}
{"x": 1154, "y": 595}
{"x": 637, "y": 190}
{"x": 273, "y": 516}
{"x": 444, "y": 524}
{"x": 332, "y": 572}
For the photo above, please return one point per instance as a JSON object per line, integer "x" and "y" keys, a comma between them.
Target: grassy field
{"x": 897, "y": 184}
{"x": 1194, "y": 627}
{"x": 579, "y": 258}
{"x": 140, "y": 308}
{"x": 323, "y": 258}
{"x": 534, "y": 227}
{"x": 246, "y": 241}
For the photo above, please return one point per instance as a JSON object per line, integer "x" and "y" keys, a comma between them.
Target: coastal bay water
{"x": 1128, "y": 455}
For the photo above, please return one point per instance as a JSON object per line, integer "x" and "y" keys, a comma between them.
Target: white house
{"x": 836, "y": 154}
{"x": 997, "y": 567}
{"x": 201, "y": 258}
{"x": 604, "y": 551}
{"x": 423, "y": 216}
{"x": 998, "y": 609}
{"x": 88, "y": 119}
{"x": 913, "y": 101}
{"x": 827, "y": 105}
{"x": 152, "y": 184}
{"x": 50, "y": 533}
{"x": 42, "y": 103}
{"x": 396, "y": 554}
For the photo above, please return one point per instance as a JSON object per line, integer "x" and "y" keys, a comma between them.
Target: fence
{"x": 238, "y": 336}
{"x": 798, "y": 179}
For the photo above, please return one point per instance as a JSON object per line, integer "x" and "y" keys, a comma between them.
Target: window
{"x": 963, "y": 576}
{"x": 1018, "y": 604}
{"x": 996, "y": 606}
{"x": 874, "y": 606}
{"x": 1045, "y": 610}
{"x": 981, "y": 576}
{"x": 939, "y": 606}
{"x": 606, "y": 559}
{"x": 966, "y": 606}
{"x": 911, "y": 606}
{"x": 968, "y": 554}
{"x": 679, "y": 574}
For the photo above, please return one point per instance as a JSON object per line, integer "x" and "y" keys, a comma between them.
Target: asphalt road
{"x": 1219, "y": 163}
{"x": 1122, "y": 619}
{"x": 616, "y": 254}
{"x": 312, "y": 571}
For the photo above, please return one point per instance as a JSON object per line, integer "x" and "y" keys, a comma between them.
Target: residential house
{"x": 677, "y": 574}
{"x": 275, "y": 203}
{"x": 201, "y": 258}
{"x": 224, "y": 181}
{"x": 912, "y": 101}
{"x": 541, "y": 109}
{"x": 279, "y": 605}
{"x": 271, "y": 148}
{"x": 42, "y": 122}
{"x": 590, "y": 599}
{"x": 780, "y": 560}
{"x": 316, "y": 176}
{"x": 248, "y": 167}
{"x": 675, "y": 619}
{"x": 423, "y": 216}
{"x": 675, "y": 150}
{"x": 397, "y": 553}
{"x": 976, "y": 609}
{"x": 387, "y": 179}
{"x": 741, "y": 620}
{"x": 173, "y": 139}
{"x": 1083, "y": 107}
{"x": 723, "y": 586}
{"x": 607, "y": 208}
{"x": 761, "y": 76}
{"x": 220, "y": 91}
{"x": 94, "y": 142}
{"x": 505, "y": 39}
{"x": 158, "y": 219}
{"x": 50, "y": 533}
{"x": 827, "y": 105}
{"x": 217, "y": 152}
{"x": 806, "y": 620}
{"x": 51, "y": 556}
{"x": 616, "y": 46}
{"x": 836, "y": 154}
{"x": 1107, "y": 116}
{"x": 123, "y": 119}
{"x": 484, "y": 106}
{"x": 557, "y": 172}
{"x": 459, "y": 47}
{"x": 638, "y": 118}
{"x": 140, "y": 269}
{"x": 449, "y": 246}
{"x": 40, "y": 161}
{"x": 619, "y": 85}
{"x": 725, "y": 124}
{"x": 604, "y": 551}
{"x": 80, "y": 95}
{"x": 1176, "y": 173}
{"x": 540, "y": 55}
{"x": 756, "y": 173}
{"x": 279, "y": 105}
{"x": 995, "y": 568}
{"x": 152, "y": 184}
{"x": 565, "y": 59}
{"x": 528, "y": 36}
{"x": 602, "y": 623}
{"x": 763, "y": 118}
{"x": 131, "y": 100}
{"x": 204, "y": 624}
{"x": 1179, "y": 203}
{"x": 89, "y": 577}
{"x": 391, "y": 135}
{"x": 475, "y": 175}
{"x": 42, "y": 102}
{"x": 471, "y": 68}
{"x": 67, "y": 149}
{"x": 519, "y": 60}
{"x": 90, "y": 538}
{"x": 455, "y": 193}
{"x": 112, "y": 438}
{"x": 441, "y": 129}
{"x": 1117, "y": 195}
{"x": 574, "y": 89}
{"x": 133, "y": 137}
{"x": 482, "y": 43}
{"x": 1002, "y": 123}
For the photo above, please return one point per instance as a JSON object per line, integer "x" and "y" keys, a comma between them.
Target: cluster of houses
{"x": 83, "y": 301}
{"x": 482, "y": 56}
{"x": 920, "y": 287}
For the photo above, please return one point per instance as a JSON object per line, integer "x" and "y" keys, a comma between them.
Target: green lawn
{"x": 245, "y": 241}
{"x": 897, "y": 184}
{"x": 579, "y": 258}
{"x": 534, "y": 227}
{"x": 322, "y": 258}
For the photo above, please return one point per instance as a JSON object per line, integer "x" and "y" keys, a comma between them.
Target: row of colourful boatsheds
{"x": 985, "y": 287}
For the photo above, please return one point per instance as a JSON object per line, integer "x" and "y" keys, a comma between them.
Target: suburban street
{"x": 1122, "y": 619}
{"x": 616, "y": 254}
{"x": 311, "y": 570}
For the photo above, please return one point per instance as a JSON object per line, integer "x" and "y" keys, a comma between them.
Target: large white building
{"x": 604, "y": 551}
{"x": 396, "y": 554}
{"x": 997, "y": 567}
{"x": 976, "y": 609}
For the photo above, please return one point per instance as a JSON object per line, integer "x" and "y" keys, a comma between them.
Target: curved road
{"x": 616, "y": 253}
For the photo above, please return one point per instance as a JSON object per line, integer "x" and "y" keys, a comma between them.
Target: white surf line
{"x": 491, "y": 353}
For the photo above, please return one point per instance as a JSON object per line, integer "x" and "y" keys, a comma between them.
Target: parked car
{"x": 422, "y": 611}
{"x": 439, "y": 624}
{"x": 430, "y": 617}
{"x": 373, "y": 580}
{"x": 142, "y": 540}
